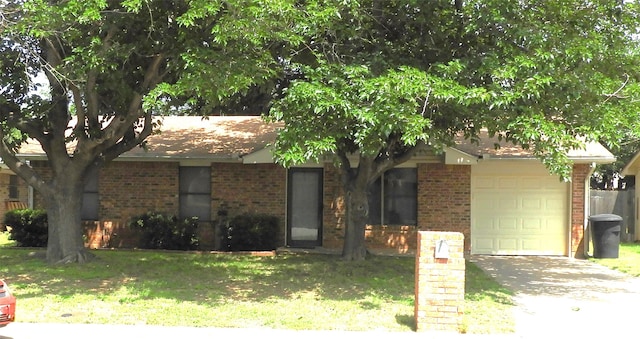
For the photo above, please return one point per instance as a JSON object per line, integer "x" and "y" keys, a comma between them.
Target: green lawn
{"x": 628, "y": 260}
{"x": 288, "y": 291}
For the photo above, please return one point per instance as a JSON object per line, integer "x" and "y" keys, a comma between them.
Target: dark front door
{"x": 304, "y": 215}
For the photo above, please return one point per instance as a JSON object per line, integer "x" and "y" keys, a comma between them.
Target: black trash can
{"x": 605, "y": 235}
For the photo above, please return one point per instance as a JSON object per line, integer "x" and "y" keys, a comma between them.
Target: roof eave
{"x": 454, "y": 156}
{"x": 592, "y": 160}
{"x": 162, "y": 158}
{"x": 631, "y": 168}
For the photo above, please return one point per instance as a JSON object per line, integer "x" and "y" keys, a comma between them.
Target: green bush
{"x": 28, "y": 227}
{"x": 160, "y": 231}
{"x": 252, "y": 232}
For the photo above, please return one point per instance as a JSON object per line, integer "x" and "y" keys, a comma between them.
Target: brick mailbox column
{"x": 440, "y": 276}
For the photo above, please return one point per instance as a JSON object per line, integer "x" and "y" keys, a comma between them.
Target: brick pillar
{"x": 440, "y": 276}
{"x": 578, "y": 192}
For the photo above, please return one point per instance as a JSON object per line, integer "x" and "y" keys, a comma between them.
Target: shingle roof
{"x": 593, "y": 151}
{"x": 219, "y": 137}
{"x": 222, "y": 138}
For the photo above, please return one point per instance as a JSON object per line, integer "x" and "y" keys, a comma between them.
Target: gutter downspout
{"x": 587, "y": 209}
{"x": 30, "y": 196}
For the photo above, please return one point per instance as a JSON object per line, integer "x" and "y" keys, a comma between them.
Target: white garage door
{"x": 517, "y": 208}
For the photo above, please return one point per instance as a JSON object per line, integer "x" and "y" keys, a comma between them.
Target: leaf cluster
{"x": 544, "y": 75}
{"x": 88, "y": 79}
{"x": 252, "y": 232}
{"x": 162, "y": 231}
{"x": 28, "y": 227}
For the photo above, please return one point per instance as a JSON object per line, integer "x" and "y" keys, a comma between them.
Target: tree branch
{"x": 115, "y": 132}
{"x": 616, "y": 93}
{"x": 152, "y": 77}
{"x": 22, "y": 169}
{"x": 345, "y": 166}
{"x": 58, "y": 114}
{"x": 130, "y": 140}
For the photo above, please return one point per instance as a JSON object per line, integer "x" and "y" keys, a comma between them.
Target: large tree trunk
{"x": 64, "y": 205}
{"x": 357, "y": 209}
{"x": 355, "y": 182}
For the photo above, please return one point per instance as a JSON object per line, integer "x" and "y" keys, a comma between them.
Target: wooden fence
{"x": 616, "y": 202}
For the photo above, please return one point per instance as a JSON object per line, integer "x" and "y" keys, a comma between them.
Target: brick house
{"x": 632, "y": 168}
{"x": 503, "y": 201}
{"x": 13, "y": 191}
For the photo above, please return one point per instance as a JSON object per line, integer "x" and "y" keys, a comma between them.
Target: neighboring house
{"x": 504, "y": 201}
{"x": 14, "y": 193}
{"x": 633, "y": 169}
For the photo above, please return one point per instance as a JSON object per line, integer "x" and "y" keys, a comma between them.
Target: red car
{"x": 7, "y": 305}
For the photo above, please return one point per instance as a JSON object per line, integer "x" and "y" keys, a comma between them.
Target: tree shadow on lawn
{"x": 209, "y": 279}
{"x": 303, "y": 289}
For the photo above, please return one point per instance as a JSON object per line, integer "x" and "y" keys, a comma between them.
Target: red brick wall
{"x": 259, "y": 188}
{"x": 127, "y": 189}
{"x": 333, "y": 220}
{"x": 578, "y": 181}
{"x": 444, "y": 204}
{"x": 244, "y": 188}
{"x": 396, "y": 239}
{"x": 444, "y": 199}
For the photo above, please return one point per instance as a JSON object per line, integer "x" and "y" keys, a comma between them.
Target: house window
{"x": 195, "y": 192}
{"x": 14, "y": 192}
{"x": 90, "y": 199}
{"x": 393, "y": 198}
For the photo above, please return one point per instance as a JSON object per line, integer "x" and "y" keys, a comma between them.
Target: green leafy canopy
{"x": 381, "y": 76}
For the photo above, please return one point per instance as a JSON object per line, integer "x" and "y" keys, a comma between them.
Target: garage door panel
{"x": 531, "y": 244}
{"x": 555, "y": 205}
{"x": 507, "y": 224}
{"x": 507, "y": 205}
{"x": 484, "y": 245}
{"x": 518, "y": 215}
{"x": 532, "y": 203}
{"x": 507, "y": 183}
{"x": 531, "y": 183}
{"x": 532, "y": 225}
{"x": 485, "y": 183}
{"x": 486, "y": 224}
{"x": 508, "y": 244}
{"x": 486, "y": 203}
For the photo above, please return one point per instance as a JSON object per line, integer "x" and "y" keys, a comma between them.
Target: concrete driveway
{"x": 558, "y": 296}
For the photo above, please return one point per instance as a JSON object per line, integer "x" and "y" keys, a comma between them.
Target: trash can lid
{"x": 605, "y": 217}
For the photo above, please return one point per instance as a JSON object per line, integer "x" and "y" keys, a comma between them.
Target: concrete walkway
{"x": 90, "y": 331}
{"x": 561, "y": 297}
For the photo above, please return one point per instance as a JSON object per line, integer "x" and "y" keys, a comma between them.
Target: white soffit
{"x": 263, "y": 156}
{"x": 453, "y": 156}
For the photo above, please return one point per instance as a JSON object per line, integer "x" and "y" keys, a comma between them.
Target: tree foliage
{"x": 110, "y": 68}
{"x": 381, "y": 78}
{"x": 609, "y": 176}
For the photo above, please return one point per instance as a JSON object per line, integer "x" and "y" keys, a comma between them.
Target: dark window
{"x": 90, "y": 198}
{"x": 195, "y": 192}
{"x": 393, "y": 198}
{"x": 14, "y": 192}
